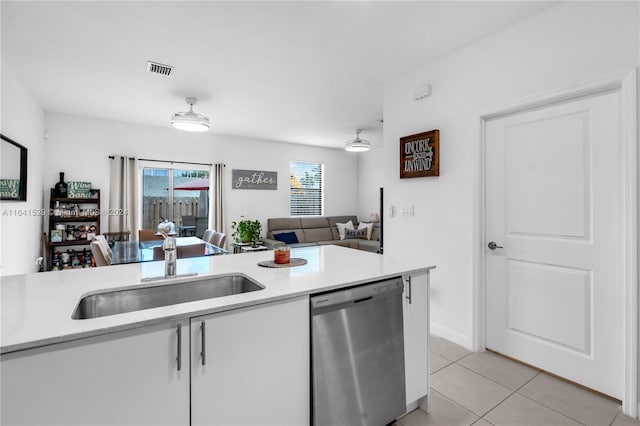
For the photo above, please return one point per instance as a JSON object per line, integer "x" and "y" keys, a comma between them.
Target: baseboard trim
{"x": 452, "y": 335}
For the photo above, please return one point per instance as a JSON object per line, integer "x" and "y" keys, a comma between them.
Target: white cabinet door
{"x": 416, "y": 339}
{"x": 256, "y": 366}
{"x": 124, "y": 378}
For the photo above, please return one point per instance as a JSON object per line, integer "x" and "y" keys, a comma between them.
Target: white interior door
{"x": 555, "y": 290}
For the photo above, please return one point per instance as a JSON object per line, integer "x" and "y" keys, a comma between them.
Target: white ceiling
{"x": 301, "y": 72}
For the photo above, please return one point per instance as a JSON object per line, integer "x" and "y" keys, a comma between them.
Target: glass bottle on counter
{"x": 60, "y": 189}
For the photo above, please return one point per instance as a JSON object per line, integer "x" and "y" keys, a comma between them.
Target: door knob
{"x": 493, "y": 246}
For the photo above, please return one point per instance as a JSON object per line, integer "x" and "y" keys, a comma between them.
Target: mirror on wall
{"x": 13, "y": 170}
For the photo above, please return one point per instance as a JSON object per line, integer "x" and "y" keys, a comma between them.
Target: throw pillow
{"x": 286, "y": 237}
{"x": 342, "y": 227}
{"x": 356, "y": 233}
{"x": 369, "y": 228}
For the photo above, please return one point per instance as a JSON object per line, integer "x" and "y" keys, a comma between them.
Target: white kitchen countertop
{"x": 37, "y": 308}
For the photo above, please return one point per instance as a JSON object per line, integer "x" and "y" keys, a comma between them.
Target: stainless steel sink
{"x": 136, "y": 299}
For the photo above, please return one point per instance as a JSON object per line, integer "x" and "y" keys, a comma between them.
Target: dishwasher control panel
{"x": 358, "y": 293}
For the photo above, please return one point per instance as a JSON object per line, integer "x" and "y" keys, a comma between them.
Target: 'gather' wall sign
{"x": 420, "y": 155}
{"x": 253, "y": 179}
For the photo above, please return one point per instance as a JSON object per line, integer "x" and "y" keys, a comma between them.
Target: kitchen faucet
{"x": 170, "y": 255}
{"x": 169, "y": 247}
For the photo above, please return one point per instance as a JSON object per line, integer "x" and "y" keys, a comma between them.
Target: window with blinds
{"x": 307, "y": 188}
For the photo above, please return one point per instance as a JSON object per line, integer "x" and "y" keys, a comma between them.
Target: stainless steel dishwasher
{"x": 357, "y": 350}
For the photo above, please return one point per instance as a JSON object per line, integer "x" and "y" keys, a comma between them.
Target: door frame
{"x": 171, "y": 166}
{"x": 627, "y": 85}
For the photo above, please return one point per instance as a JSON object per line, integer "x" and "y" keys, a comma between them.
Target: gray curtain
{"x": 124, "y": 199}
{"x": 216, "y": 209}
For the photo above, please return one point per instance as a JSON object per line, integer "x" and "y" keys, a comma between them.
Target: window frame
{"x": 321, "y": 190}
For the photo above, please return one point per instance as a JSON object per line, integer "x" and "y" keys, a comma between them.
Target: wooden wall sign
{"x": 253, "y": 179}
{"x": 420, "y": 155}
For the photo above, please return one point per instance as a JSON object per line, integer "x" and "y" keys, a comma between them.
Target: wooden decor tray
{"x": 294, "y": 261}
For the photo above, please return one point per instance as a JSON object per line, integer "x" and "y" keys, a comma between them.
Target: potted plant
{"x": 246, "y": 231}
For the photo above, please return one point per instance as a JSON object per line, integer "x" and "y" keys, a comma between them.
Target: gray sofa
{"x": 319, "y": 230}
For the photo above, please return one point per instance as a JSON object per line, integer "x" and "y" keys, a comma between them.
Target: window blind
{"x": 307, "y": 188}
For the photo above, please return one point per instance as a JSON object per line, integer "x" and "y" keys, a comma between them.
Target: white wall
{"x": 20, "y": 222}
{"x": 80, "y": 146}
{"x": 560, "y": 47}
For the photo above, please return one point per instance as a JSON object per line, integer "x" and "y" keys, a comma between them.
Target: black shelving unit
{"x": 92, "y": 203}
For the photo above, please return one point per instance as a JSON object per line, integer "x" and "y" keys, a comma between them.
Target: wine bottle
{"x": 60, "y": 189}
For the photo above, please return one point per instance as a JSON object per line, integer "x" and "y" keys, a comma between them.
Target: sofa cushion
{"x": 317, "y": 234}
{"x": 314, "y": 222}
{"x": 360, "y": 234}
{"x": 286, "y": 237}
{"x": 368, "y": 227}
{"x": 372, "y": 246}
{"x": 341, "y": 228}
{"x": 351, "y": 243}
{"x": 340, "y": 219}
{"x": 283, "y": 224}
{"x": 299, "y": 234}
{"x": 375, "y": 235}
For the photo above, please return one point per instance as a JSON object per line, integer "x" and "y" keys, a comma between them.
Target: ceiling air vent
{"x": 156, "y": 68}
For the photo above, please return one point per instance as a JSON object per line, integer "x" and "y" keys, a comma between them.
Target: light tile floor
{"x": 483, "y": 389}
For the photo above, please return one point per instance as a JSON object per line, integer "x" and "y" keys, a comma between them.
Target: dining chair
{"x": 188, "y": 226}
{"x": 104, "y": 246}
{"x": 219, "y": 239}
{"x": 112, "y": 237}
{"x": 158, "y": 253}
{"x": 192, "y": 250}
{"x": 201, "y": 226}
{"x": 148, "y": 235}
{"x": 98, "y": 255}
{"x": 208, "y": 235}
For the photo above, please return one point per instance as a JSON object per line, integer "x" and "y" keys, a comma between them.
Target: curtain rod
{"x": 171, "y": 161}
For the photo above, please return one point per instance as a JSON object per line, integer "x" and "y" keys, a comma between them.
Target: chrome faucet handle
{"x": 169, "y": 242}
{"x": 169, "y": 248}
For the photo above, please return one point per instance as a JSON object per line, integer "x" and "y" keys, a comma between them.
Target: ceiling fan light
{"x": 357, "y": 144}
{"x": 190, "y": 121}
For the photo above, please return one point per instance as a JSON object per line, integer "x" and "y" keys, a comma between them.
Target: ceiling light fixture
{"x": 190, "y": 121}
{"x": 357, "y": 144}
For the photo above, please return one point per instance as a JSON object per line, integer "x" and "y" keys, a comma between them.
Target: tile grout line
{"x": 449, "y": 359}
{"x": 525, "y": 396}
{"x": 552, "y": 409}
{"x": 517, "y": 391}
{"x": 498, "y": 383}
{"x": 513, "y": 393}
{"x": 481, "y": 416}
{"x": 456, "y": 403}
